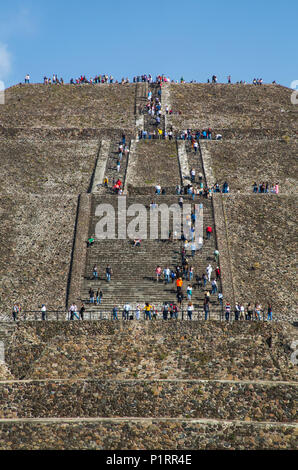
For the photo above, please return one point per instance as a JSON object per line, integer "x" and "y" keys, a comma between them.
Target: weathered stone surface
{"x": 238, "y": 111}
{"x": 162, "y": 350}
{"x": 262, "y": 239}
{"x": 68, "y": 106}
{"x": 258, "y": 401}
{"x": 69, "y": 381}
{"x": 224, "y": 249}
{"x": 155, "y": 161}
{"x": 36, "y": 234}
{"x": 43, "y": 167}
{"x": 241, "y": 163}
{"x": 145, "y": 435}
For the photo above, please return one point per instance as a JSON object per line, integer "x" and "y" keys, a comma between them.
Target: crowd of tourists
{"x": 53, "y": 81}
{"x": 186, "y": 135}
{"x": 249, "y": 313}
{"x": 183, "y": 277}
{"x": 194, "y": 136}
{"x": 102, "y": 78}
{"x": 153, "y": 108}
{"x": 149, "y": 79}
{"x": 154, "y": 134}
{"x": 160, "y": 79}
{"x": 200, "y": 189}
{"x": 266, "y": 188}
{"x": 169, "y": 310}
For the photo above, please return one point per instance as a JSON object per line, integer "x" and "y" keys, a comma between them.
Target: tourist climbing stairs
{"x": 150, "y": 124}
{"x": 134, "y": 278}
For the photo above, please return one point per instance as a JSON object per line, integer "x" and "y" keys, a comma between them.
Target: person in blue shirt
{"x": 115, "y": 313}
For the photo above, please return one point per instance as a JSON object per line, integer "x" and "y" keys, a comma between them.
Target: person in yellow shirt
{"x": 148, "y": 309}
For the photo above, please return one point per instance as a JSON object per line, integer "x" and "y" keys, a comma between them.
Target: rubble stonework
{"x": 145, "y": 384}
{"x": 133, "y": 434}
{"x": 151, "y": 350}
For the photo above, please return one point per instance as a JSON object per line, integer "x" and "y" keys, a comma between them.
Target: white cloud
{"x": 5, "y": 61}
{"x": 18, "y": 23}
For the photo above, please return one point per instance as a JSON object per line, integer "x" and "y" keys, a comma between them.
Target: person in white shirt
{"x": 126, "y": 310}
{"x": 167, "y": 273}
{"x": 71, "y": 311}
{"x": 209, "y": 272}
{"x": 190, "y": 309}
{"x": 43, "y": 312}
{"x": 138, "y": 312}
{"x": 189, "y": 292}
{"x": 75, "y": 311}
{"x": 193, "y": 174}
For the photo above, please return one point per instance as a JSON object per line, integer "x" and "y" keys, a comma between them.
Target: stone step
{"x": 153, "y": 350}
{"x": 145, "y": 434}
{"x": 196, "y": 399}
{"x": 131, "y": 265}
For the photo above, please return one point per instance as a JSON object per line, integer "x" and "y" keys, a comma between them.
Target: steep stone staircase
{"x": 149, "y": 121}
{"x": 134, "y": 278}
{"x": 147, "y": 385}
{"x": 111, "y": 167}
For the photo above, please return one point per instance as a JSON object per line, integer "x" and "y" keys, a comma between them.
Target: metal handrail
{"x": 107, "y": 314}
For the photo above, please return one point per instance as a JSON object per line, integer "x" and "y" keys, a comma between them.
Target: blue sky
{"x": 192, "y": 38}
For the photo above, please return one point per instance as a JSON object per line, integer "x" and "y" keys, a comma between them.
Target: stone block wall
{"x": 149, "y": 350}
{"x": 142, "y": 434}
{"x": 226, "y": 400}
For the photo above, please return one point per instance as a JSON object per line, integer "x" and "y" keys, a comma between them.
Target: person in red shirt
{"x": 209, "y": 232}
{"x": 158, "y": 273}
